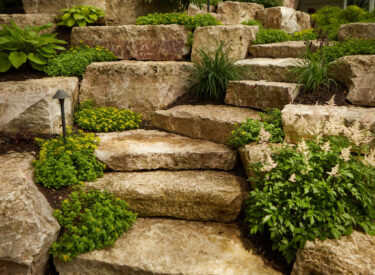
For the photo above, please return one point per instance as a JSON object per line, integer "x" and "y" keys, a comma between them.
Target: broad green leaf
{"x": 65, "y": 16}
{"x": 78, "y": 16}
{"x": 93, "y": 17}
{"x": 4, "y": 62}
{"x": 17, "y": 59}
{"x": 37, "y": 66}
{"x": 37, "y": 58}
{"x": 81, "y": 23}
{"x": 70, "y": 22}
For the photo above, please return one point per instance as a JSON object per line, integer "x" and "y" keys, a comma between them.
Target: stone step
{"x": 286, "y": 49}
{"x": 210, "y": 122}
{"x": 163, "y": 246}
{"x": 189, "y": 195}
{"x": 150, "y": 150}
{"x": 269, "y": 69}
{"x": 260, "y": 94}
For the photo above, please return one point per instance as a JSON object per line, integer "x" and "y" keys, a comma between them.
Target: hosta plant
{"x": 80, "y": 16}
{"x": 21, "y": 45}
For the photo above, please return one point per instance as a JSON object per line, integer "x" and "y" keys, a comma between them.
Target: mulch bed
{"x": 23, "y": 73}
{"x": 56, "y": 196}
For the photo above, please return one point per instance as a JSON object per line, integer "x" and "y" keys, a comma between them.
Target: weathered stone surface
{"x": 149, "y": 149}
{"x": 54, "y": 6}
{"x": 188, "y": 195}
{"x": 354, "y": 254}
{"x": 28, "y": 105}
{"x": 236, "y": 40}
{"x": 357, "y": 72}
{"x": 280, "y": 50}
{"x": 269, "y": 69}
{"x": 210, "y": 122}
{"x": 291, "y": 3}
{"x": 260, "y": 94}
{"x": 162, "y": 246}
{"x": 160, "y": 42}
{"x": 357, "y": 30}
{"x": 234, "y": 13}
{"x": 26, "y": 223}
{"x": 23, "y": 20}
{"x": 195, "y": 10}
{"x": 141, "y": 86}
{"x": 284, "y": 18}
{"x": 313, "y": 113}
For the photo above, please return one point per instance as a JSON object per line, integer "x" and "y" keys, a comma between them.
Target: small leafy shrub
{"x": 251, "y": 22}
{"x": 266, "y": 36}
{"x": 349, "y": 47}
{"x": 308, "y": 34}
{"x": 74, "y": 61}
{"x": 80, "y": 16}
{"x": 211, "y": 75}
{"x": 105, "y": 119}
{"x": 62, "y": 164}
{"x": 265, "y": 3}
{"x": 19, "y": 46}
{"x": 90, "y": 220}
{"x": 269, "y": 128}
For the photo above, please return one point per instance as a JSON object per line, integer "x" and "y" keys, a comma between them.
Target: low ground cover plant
{"x": 90, "y": 220}
{"x": 27, "y": 45}
{"x": 266, "y": 36}
{"x": 74, "y": 61}
{"x": 252, "y": 22}
{"x": 61, "y": 164}
{"x": 265, "y": 3}
{"x": 268, "y": 129}
{"x": 80, "y": 16}
{"x": 105, "y": 119}
{"x": 349, "y": 47}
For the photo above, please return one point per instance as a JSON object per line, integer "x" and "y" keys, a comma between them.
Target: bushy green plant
{"x": 105, "y": 119}
{"x": 349, "y": 47}
{"x": 308, "y": 34}
{"x": 62, "y": 164}
{"x": 80, "y": 16}
{"x": 266, "y": 36}
{"x": 90, "y": 220}
{"x": 21, "y": 45}
{"x": 74, "y": 61}
{"x": 211, "y": 74}
{"x": 265, "y": 3}
{"x": 252, "y": 22}
{"x": 250, "y": 130}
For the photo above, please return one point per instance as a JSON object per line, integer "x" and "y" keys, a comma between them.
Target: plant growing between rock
{"x": 80, "y": 16}
{"x": 265, "y": 3}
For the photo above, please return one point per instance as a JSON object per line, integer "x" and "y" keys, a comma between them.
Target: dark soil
{"x": 21, "y": 142}
{"x": 190, "y": 99}
{"x": 23, "y": 73}
{"x": 64, "y": 33}
{"x": 12, "y": 7}
{"x": 56, "y": 196}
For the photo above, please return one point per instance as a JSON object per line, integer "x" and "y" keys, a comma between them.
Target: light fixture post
{"x": 208, "y": 6}
{"x": 61, "y": 95}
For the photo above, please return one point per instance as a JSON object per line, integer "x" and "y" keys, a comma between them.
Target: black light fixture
{"x": 208, "y": 6}
{"x": 61, "y": 95}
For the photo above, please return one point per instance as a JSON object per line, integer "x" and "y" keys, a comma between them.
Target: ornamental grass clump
{"x": 105, "y": 119}
{"x": 90, "y": 220}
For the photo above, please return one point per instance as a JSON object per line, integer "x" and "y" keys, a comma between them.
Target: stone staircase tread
{"x": 287, "y": 49}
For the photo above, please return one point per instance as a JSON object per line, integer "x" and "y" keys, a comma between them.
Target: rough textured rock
{"x": 284, "y": 18}
{"x": 260, "y": 94}
{"x": 354, "y": 254}
{"x": 54, "y": 6}
{"x": 23, "y": 20}
{"x": 357, "y": 72}
{"x": 28, "y": 105}
{"x": 291, "y": 3}
{"x": 160, "y": 42}
{"x": 280, "y": 50}
{"x": 236, "y": 39}
{"x": 234, "y": 13}
{"x": 195, "y": 10}
{"x": 26, "y": 223}
{"x": 188, "y": 195}
{"x": 314, "y": 113}
{"x": 357, "y": 30}
{"x": 149, "y": 149}
{"x": 142, "y": 86}
{"x": 210, "y": 122}
{"x": 268, "y": 69}
{"x": 161, "y": 246}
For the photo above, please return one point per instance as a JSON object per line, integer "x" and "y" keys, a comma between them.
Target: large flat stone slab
{"x": 27, "y": 227}
{"x": 294, "y": 49}
{"x": 161, "y": 246}
{"x": 210, "y": 122}
{"x": 150, "y": 149}
{"x": 234, "y": 13}
{"x": 188, "y": 195}
{"x": 54, "y": 6}
{"x": 269, "y": 69}
{"x": 260, "y": 94}
{"x": 29, "y": 105}
{"x": 357, "y": 30}
{"x": 141, "y": 86}
{"x": 23, "y": 20}
{"x": 159, "y": 42}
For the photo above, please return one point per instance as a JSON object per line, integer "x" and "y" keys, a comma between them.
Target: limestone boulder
{"x": 234, "y": 13}
{"x": 160, "y": 42}
{"x": 141, "y": 86}
{"x": 23, "y": 20}
{"x": 283, "y": 18}
{"x": 27, "y": 227}
{"x": 357, "y": 31}
{"x": 357, "y": 72}
{"x": 286, "y": 49}
{"x": 291, "y": 3}
{"x": 150, "y": 149}
{"x": 29, "y": 105}
{"x": 54, "y": 6}
{"x": 354, "y": 254}
{"x": 236, "y": 40}
{"x": 162, "y": 246}
{"x": 195, "y": 10}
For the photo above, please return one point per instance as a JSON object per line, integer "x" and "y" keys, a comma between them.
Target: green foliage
{"x": 105, "y": 119}
{"x": 90, "y": 220}
{"x": 80, "y": 16}
{"x": 251, "y": 22}
{"x": 199, "y": 3}
{"x": 212, "y": 73}
{"x": 18, "y": 46}
{"x": 62, "y": 164}
{"x": 249, "y": 130}
{"x": 308, "y": 34}
{"x": 266, "y": 36}
{"x": 349, "y": 47}
{"x": 265, "y": 3}
{"x": 311, "y": 191}
{"x": 75, "y": 61}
